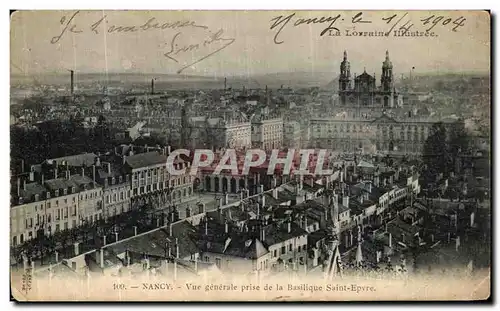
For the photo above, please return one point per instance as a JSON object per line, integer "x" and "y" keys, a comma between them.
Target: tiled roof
{"x": 146, "y": 159}
{"x": 84, "y": 159}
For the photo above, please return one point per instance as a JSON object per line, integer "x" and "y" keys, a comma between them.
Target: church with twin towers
{"x": 363, "y": 91}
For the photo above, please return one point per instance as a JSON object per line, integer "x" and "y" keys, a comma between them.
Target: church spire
{"x": 345, "y": 55}
{"x": 359, "y": 254}
{"x": 387, "y": 55}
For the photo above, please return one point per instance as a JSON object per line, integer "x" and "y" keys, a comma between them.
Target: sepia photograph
{"x": 250, "y": 155}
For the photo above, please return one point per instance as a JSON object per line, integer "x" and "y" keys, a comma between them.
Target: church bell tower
{"x": 345, "y": 78}
{"x": 387, "y": 76}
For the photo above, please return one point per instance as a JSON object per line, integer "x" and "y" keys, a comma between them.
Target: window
{"x": 218, "y": 262}
{"x": 290, "y": 247}
{"x": 283, "y": 250}
{"x": 207, "y": 259}
{"x": 275, "y": 253}
{"x": 298, "y": 249}
{"x": 57, "y": 228}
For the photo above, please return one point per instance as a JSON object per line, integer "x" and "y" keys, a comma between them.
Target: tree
{"x": 436, "y": 152}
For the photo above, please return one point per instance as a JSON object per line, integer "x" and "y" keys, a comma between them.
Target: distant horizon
{"x": 152, "y": 75}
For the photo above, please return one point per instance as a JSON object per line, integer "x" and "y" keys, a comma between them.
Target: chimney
{"x": 32, "y": 176}
{"x": 390, "y": 240}
{"x": 169, "y": 149}
{"x": 135, "y": 230}
{"x": 93, "y": 173}
{"x": 116, "y": 236}
{"x": 226, "y": 227}
{"x": 206, "y": 227}
{"x": 83, "y": 171}
{"x": 449, "y": 237}
{"x": 261, "y": 188}
{"x": 102, "y": 258}
{"x": 403, "y": 238}
{"x": 432, "y": 238}
{"x": 24, "y": 185}
{"x": 262, "y": 233}
{"x": 379, "y": 255}
{"x": 77, "y": 249}
{"x": 43, "y": 179}
{"x": 226, "y": 199}
{"x": 72, "y": 81}
{"x": 351, "y": 236}
{"x": 109, "y": 167}
{"x": 124, "y": 159}
{"x": 170, "y": 230}
{"x": 345, "y": 200}
{"x": 104, "y": 240}
{"x": 457, "y": 243}
{"x": 55, "y": 173}
{"x": 68, "y": 175}
{"x": 289, "y": 226}
{"x": 472, "y": 219}
{"x": 263, "y": 200}
{"x": 57, "y": 256}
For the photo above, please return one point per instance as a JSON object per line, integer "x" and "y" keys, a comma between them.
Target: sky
{"x": 225, "y": 43}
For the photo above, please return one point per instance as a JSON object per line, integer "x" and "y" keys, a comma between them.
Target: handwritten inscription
{"x": 397, "y": 24}
{"x": 177, "y": 49}
{"x": 209, "y": 44}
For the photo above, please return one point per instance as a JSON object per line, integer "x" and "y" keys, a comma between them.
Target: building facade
{"x": 267, "y": 133}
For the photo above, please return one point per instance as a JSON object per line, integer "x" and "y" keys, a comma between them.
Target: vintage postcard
{"x": 250, "y": 155}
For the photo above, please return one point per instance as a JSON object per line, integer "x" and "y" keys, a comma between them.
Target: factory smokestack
{"x": 72, "y": 82}
{"x": 152, "y": 86}
{"x": 225, "y": 84}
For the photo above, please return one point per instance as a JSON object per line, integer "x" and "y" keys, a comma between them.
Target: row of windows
{"x": 283, "y": 250}
{"x": 15, "y": 240}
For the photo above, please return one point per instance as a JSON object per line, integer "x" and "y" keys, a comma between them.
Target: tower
{"x": 344, "y": 79}
{"x": 72, "y": 81}
{"x": 387, "y": 77}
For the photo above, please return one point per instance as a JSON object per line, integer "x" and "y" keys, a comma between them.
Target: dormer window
{"x": 37, "y": 197}
{"x": 48, "y": 195}
{"x": 113, "y": 181}
{"x": 56, "y": 193}
{"x": 65, "y": 191}
{"x": 73, "y": 189}
{"x": 21, "y": 200}
{"x": 120, "y": 179}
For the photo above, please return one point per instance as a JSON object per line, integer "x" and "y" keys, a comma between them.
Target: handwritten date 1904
{"x": 391, "y": 21}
